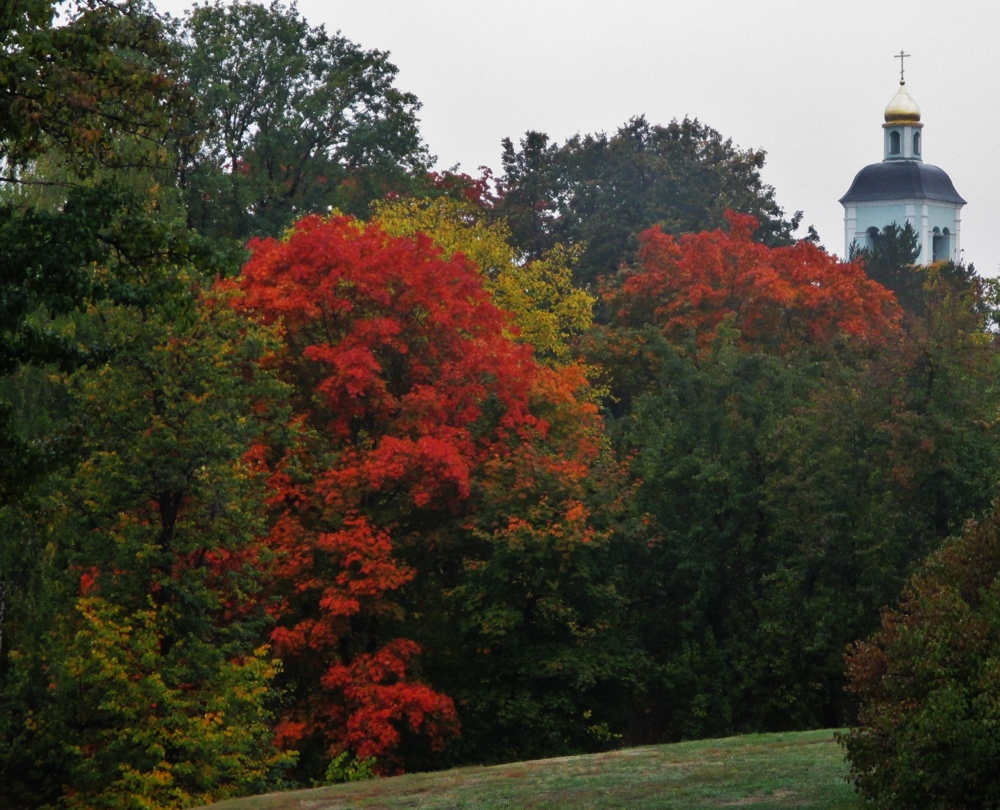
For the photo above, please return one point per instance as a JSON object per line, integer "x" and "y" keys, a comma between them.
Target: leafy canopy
{"x": 91, "y": 117}
{"x": 86, "y": 86}
{"x": 293, "y": 121}
{"x": 798, "y": 445}
{"x": 437, "y": 498}
{"x": 777, "y": 299}
{"x": 548, "y": 310}
{"x": 927, "y": 684}
{"x": 600, "y": 192}
{"x": 136, "y": 674}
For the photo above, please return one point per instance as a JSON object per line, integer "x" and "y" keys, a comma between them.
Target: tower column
{"x": 926, "y": 239}
{"x": 850, "y": 228}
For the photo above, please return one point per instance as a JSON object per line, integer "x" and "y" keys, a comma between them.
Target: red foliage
{"x": 344, "y": 573}
{"x": 407, "y": 389}
{"x": 400, "y": 352}
{"x": 779, "y": 299}
{"x": 89, "y": 581}
{"x": 378, "y": 697}
{"x": 480, "y": 191}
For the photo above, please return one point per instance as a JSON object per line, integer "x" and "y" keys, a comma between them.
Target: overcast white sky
{"x": 803, "y": 79}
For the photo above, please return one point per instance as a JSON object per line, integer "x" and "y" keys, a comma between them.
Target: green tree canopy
{"x": 85, "y": 81}
{"x": 785, "y": 488}
{"x": 602, "y": 190}
{"x": 294, "y": 121}
{"x": 927, "y": 684}
{"x": 891, "y": 261}
{"x": 134, "y": 674}
{"x": 91, "y": 116}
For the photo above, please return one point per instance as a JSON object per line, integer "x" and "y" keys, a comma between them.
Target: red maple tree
{"x": 779, "y": 299}
{"x": 407, "y": 389}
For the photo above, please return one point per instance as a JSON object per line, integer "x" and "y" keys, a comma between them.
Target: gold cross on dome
{"x": 901, "y": 56}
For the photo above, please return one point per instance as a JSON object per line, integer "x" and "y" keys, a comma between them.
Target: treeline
{"x": 318, "y": 463}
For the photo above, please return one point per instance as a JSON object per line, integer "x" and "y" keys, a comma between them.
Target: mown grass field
{"x": 761, "y": 771}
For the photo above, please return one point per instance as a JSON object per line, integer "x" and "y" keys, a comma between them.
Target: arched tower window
{"x": 916, "y": 143}
{"x": 894, "y": 143}
{"x": 941, "y": 245}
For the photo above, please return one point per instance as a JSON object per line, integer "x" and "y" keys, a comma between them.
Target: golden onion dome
{"x": 902, "y": 109}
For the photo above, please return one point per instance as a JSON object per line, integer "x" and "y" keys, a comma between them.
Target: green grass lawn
{"x": 761, "y": 771}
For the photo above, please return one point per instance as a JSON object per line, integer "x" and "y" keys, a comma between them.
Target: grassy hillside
{"x": 760, "y": 771}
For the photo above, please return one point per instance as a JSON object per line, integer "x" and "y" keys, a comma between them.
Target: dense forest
{"x": 318, "y": 463}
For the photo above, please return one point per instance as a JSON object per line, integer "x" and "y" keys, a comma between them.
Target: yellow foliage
{"x": 158, "y": 737}
{"x": 546, "y": 308}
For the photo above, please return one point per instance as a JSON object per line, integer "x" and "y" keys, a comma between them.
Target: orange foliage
{"x": 780, "y": 299}
{"x": 408, "y": 390}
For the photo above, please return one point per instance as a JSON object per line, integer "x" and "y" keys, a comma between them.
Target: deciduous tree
{"x": 135, "y": 673}
{"x": 91, "y": 113}
{"x": 439, "y": 466}
{"x": 294, "y": 121}
{"x": 600, "y": 192}
{"x": 778, "y": 300}
{"x": 927, "y": 684}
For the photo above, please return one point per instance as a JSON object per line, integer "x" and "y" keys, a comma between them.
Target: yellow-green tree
{"x": 548, "y": 310}
{"x": 136, "y": 675}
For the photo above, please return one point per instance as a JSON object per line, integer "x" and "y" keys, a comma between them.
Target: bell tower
{"x": 903, "y": 189}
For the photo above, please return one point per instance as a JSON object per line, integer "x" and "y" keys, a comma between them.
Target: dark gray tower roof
{"x": 901, "y": 180}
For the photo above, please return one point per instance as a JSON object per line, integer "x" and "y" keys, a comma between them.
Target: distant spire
{"x": 901, "y": 56}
